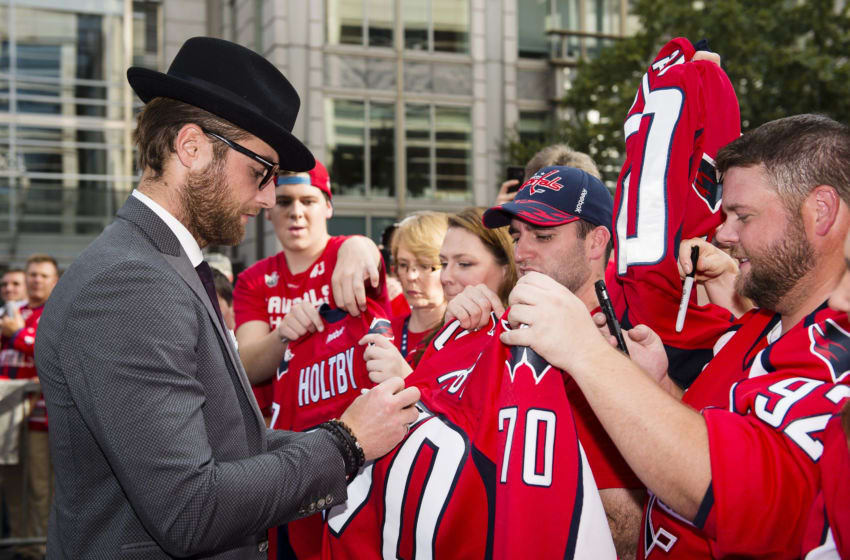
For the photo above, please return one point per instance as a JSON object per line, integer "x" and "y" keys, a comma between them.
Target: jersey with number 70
{"x": 684, "y": 112}
{"x": 493, "y": 469}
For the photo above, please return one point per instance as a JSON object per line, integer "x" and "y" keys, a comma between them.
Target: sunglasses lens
{"x": 271, "y": 175}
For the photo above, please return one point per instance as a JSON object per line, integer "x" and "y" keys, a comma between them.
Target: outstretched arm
{"x": 635, "y": 411}
{"x": 358, "y": 265}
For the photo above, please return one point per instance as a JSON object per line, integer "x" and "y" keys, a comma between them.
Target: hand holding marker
{"x": 610, "y": 317}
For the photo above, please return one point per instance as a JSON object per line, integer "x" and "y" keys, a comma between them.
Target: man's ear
{"x": 330, "y": 210}
{"x": 823, "y": 204}
{"x": 192, "y": 147}
{"x": 597, "y": 241}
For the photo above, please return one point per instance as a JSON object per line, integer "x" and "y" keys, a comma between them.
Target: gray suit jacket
{"x": 158, "y": 446}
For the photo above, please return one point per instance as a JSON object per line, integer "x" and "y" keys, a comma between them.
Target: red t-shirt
{"x": 766, "y": 400}
{"x": 399, "y": 306}
{"x": 491, "y": 470}
{"x": 667, "y": 191}
{"x": 267, "y": 290}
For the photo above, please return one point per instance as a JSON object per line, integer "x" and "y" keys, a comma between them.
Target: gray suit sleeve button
{"x": 321, "y": 503}
{"x": 329, "y": 499}
{"x": 263, "y": 546}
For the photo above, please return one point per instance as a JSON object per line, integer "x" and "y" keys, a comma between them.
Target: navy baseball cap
{"x": 555, "y": 196}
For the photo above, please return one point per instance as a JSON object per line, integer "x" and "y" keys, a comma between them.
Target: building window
{"x": 63, "y": 154}
{"x": 533, "y": 126}
{"x": 436, "y": 25}
{"x": 533, "y": 42}
{"x": 367, "y": 23}
{"x": 438, "y": 146}
{"x": 347, "y": 225}
{"x": 361, "y": 147}
{"x": 371, "y": 226}
{"x": 570, "y": 19}
{"x": 146, "y": 35}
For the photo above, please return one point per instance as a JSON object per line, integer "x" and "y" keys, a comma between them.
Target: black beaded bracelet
{"x": 352, "y": 453}
{"x": 358, "y": 449}
{"x": 342, "y": 445}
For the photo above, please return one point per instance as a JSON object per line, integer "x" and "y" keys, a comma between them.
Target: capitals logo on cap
{"x": 555, "y": 196}
{"x": 538, "y": 182}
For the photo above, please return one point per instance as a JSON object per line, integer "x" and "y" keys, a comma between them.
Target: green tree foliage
{"x": 784, "y": 57}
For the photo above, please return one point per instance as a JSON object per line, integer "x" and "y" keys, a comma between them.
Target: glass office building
{"x": 407, "y": 102}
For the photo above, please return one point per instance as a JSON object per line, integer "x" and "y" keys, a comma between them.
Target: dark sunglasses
{"x": 272, "y": 169}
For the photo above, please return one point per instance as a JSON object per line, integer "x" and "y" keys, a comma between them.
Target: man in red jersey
{"x": 313, "y": 268}
{"x": 560, "y": 222}
{"x": 732, "y": 468}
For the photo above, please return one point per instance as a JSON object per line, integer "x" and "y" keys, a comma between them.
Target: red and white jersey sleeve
{"x": 451, "y": 355}
{"x": 684, "y": 112}
{"x": 491, "y": 470}
{"x": 828, "y": 528}
{"x": 766, "y": 400}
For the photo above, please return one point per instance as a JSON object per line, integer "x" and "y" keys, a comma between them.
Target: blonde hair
{"x": 497, "y": 240}
{"x": 422, "y": 234}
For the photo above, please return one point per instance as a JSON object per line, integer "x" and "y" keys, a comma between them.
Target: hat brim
{"x": 531, "y": 211}
{"x": 292, "y": 154}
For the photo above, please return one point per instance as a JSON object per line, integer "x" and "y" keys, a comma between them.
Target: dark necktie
{"x": 205, "y": 273}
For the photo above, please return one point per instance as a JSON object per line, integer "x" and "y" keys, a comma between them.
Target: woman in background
{"x": 473, "y": 254}
{"x": 470, "y": 255}
{"x": 415, "y": 247}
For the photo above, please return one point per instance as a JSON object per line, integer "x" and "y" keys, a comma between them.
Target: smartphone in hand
{"x": 516, "y": 172}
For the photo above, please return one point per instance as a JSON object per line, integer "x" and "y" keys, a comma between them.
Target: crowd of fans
{"x": 746, "y": 457}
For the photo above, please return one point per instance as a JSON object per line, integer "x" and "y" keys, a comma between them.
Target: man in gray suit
{"x": 158, "y": 446}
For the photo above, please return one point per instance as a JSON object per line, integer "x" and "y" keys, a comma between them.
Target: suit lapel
{"x": 161, "y": 235}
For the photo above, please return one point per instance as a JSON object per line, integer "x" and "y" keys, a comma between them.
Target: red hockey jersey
{"x": 322, "y": 373}
{"x": 457, "y": 351}
{"x": 766, "y": 400}
{"x": 267, "y": 290}
{"x": 317, "y": 379}
{"x": 828, "y": 529}
{"x": 667, "y": 191}
{"x": 492, "y": 469}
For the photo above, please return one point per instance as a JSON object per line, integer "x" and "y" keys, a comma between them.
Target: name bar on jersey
{"x": 327, "y": 378}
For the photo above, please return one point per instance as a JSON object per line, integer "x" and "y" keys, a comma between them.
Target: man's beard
{"x": 775, "y": 270}
{"x": 212, "y": 217}
{"x": 573, "y": 272}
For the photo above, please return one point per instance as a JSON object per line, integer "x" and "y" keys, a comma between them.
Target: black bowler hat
{"x": 235, "y": 84}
